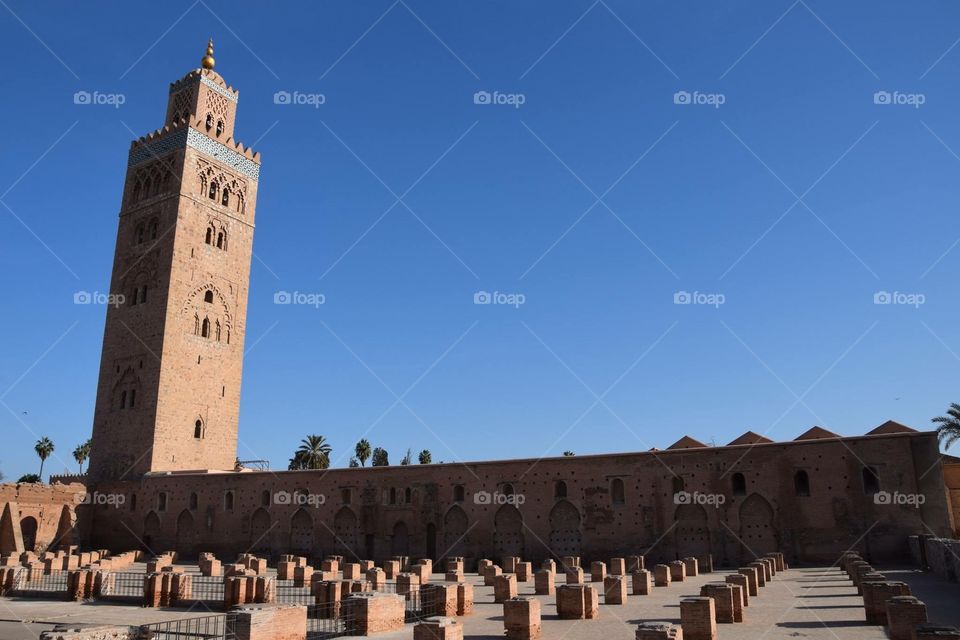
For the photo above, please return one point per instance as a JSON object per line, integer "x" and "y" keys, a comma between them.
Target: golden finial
{"x": 208, "y": 60}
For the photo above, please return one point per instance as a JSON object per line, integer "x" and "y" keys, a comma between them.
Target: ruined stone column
{"x": 521, "y": 618}
{"x": 642, "y": 582}
{"x": 543, "y": 583}
{"x": 615, "y": 590}
{"x": 698, "y": 619}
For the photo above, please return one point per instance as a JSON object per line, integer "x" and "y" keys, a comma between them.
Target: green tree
{"x": 82, "y": 453}
{"x": 44, "y": 448}
{"x": 569, "y": 453}
{"x": 425, "y": 457}
{"x": 949, "y": 426}
{"x": 314, "y": 453}
{"x": 354, "y": 463}
{"x": 380, "y": 458}
{"x": 29, "y": 477}
{"x": 362, "y": 451}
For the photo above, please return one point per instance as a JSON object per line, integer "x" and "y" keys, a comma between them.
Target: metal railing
{"x": 207, "y": 589}
{"x": 327, "y": 621}
{"x": 216, "y": 627}
{"x": 123, "y": 586}
{"x": 44, "y": 585}
{"x": 288, "y": 593}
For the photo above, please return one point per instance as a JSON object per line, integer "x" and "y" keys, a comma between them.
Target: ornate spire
{"x": 208, "y": 60}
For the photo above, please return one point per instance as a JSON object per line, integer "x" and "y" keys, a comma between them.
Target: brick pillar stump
{"x": 577, "y": 602}
{"x": 768, "y": 571}
{"x": 570, "y": 561}
{"x": 574, "y": 575}
{"x": 490, "y": 575}
{"x": 661, "y": 575}
{"x": 544, "y": 582}
{"x": 741, "y": 581}
{"x": 761, "y": 573}
{"x": 482, "y": 565}
{"x": 722, "y": 596}
{"x": 524, "y": 571}
{"x": 391, "y": 568}
{"x": 328, "y": 595}
{"x": 692, "y": 566}
{"x": 504, "y": 587}
{"x": 698, "y": 619}
{"x": 875, "y": 596}
{"x": 351, "y": 571}
{"x": 658, "y": 631}
{"x": 935, "y": 632}
{"x": 549, "y": 565}
{"x": 618, "y": 567}
{"x": 635, "y": 563}
{"x": 455, "y": 564}
{"x": 521, "y": 618}
{"x": 377, "y": 578}
{"x": 284, "y": 569}
{"x": 270, "y": 622}
{"x": 464, "y": 599}
{"x": 153, "y": 590}
{"x": 439, "y": 599}
{"x": 453, "y": 576}
{"x": 598, "y": 571}
{"x": 678, "y": 571}
{"x": 706, "y": 563}
{"x": 642, "y": 582}
{"x": 407, "y": 583}
{"x": 615, "y": 590}
{"x": 903, "y": 614}
{"x": 438, "y": 628}
{"x": 374, "y": 612}
{"x": 510, "y": 564}
{"x": 751, "y": 575}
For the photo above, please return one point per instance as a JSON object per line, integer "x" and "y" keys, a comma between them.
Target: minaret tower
{"x": 169, "y": 391}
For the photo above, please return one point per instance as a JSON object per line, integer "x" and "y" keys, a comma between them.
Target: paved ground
{"x": 810, "y": 603}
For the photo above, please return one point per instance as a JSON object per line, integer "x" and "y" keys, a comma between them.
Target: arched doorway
{"x": 400, "y": 540}
{"x": 301, "y": 533}
{"x": 345, "y": 528}
{"x": 508, "y": 532}
{"x": 259, "y": 530}
{"x": 564, "y": 529}
{"x": 186, "y": 535}
{"x": 28, "y": 532}
{"x": 151, "y": 531}
{"x": 64, "y": 529}
{"x": 757, "y": 533}
{"x": 455, "y": 532}
{"x": 432, "y": 541}
{"x": 692, "y": 532}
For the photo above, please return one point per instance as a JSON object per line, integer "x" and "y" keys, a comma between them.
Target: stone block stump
{"x": 678, "y": 571}
{"x": 524, "y": 571}
{"x": 723, "y": 601}
{"x": 742, "y": 582}
{"x": 615, "y": 590}
{"x": 544, "y": 582}
{"x": 661, "y": 575}
{"x": 698, "y": 619}
{"x": 598, "y": 571}
{"x": 375, "y": 612}
{"x": 658, "y": 631}
{"x": 438, "y": 628}
{"x": 642, "y": 582}
{"x": 903, "y": 614}
{"x": 490, "y": 575}
{"x": 521, "y": 618}
{"x": 574, "y": 575}
{"x": 504, "y": 587}
{"x": 692, "y": 566}
{"x": 577, "y": 602}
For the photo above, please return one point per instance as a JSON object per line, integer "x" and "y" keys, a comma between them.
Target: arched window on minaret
{"x": 209, "y": 121}
{"x": 225, "y": 200}
{"x": 147, "y": 188}
{"x": 205, "y": 328}
{"x": 212, "y": 193}
{"x": 218, "y": 331}
{"x": 209, "y": 238}
{"x": 208, "y": 297}
{"x": 221, "y": 241}
{"x": 219, "y": 127}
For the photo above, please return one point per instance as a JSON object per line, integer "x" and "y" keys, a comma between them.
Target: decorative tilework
{"x": 210, "y": 83}
{"x": 200, "y": 142}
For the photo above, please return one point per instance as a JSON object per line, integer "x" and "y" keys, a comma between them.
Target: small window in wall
{"x": 458, "y": 493}
{"x": 209, "y": 238}
{"x": 265, "y": 499}
{"x": 205, "y": 328}
{"x": 208, "y": 297}
{"x": 123, "y": 399}
{"x": 739, "y": 484}
{"x": 871, "y": 481}
{"x": 677, "y": 484}
{"x": 345, "y": 496}
{"x": 560, "y": 489}
{"x": 616, "y": 491}
{"x": 162, "y": 501}
{"x": 133, "y": 397}
{"x": 193, "y": 501}
{"x": 801, "y": 484}
{"x": 198, "y": 429}
{"x": 228, "y": 501}
{"x": 406, "y": 495}
{"x": 393, "y": 496}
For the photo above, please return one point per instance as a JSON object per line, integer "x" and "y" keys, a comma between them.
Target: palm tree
{"x": 425, "y": 457}
{"x": 314, "y": 452}
{"x": 569, "y": 453}
{"x": 362, "y": 451}
{"x": 949, "y": 429}
{"x": 82, "y": 453}
{"x": 380, "y": 458}
{"x": 44, "y": 448}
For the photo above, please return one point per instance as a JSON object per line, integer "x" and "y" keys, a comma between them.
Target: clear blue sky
{"x": 500, "y": 200}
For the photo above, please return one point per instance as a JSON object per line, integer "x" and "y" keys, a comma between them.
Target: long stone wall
{"x": 34, "y": 517}
{"x": 590, "y": 506}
